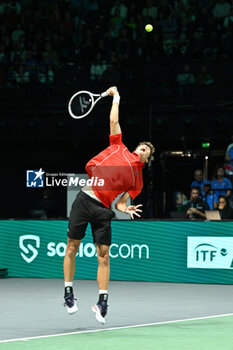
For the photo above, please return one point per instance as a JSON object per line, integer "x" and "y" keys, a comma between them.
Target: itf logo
{"x": 27, "y": 249}
{"x": 35, "y": 178}
{"x": 210, "y": 252}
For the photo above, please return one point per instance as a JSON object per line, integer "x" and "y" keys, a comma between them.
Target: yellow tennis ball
{"x": 149, "y": 28}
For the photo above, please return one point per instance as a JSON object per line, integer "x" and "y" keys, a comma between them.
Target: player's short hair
{"x": 149, "y": 144}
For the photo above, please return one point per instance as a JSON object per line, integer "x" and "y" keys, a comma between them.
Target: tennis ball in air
{"x": 149, "y": 28}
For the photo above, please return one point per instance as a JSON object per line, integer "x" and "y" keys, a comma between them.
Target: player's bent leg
{"x": 103, "y": 265}
{"x": 69, "y": 261}
{"x": 100, "y": 308}
{"x": 69, "y": 270}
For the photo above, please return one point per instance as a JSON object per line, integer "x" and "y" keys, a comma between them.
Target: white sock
{"x": 69, "y": 284}
{"x": 103, "y": 291}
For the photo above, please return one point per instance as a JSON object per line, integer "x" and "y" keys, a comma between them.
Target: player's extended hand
{"x": 133, "y": 210}
{"x": 112, "y": 91}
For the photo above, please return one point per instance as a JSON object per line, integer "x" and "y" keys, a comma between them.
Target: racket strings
{"x": 81, "y": 104}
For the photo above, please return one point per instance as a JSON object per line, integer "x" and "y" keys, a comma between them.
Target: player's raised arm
{"x": 114, "y": 114}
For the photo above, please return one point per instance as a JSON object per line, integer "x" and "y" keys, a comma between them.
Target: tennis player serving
{"x": 122, "y": 173}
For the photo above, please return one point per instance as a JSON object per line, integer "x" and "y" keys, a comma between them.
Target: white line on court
{"x": 115, "y": 328}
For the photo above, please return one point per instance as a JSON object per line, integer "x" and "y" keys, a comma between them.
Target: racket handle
{"x": 104, "y": 94}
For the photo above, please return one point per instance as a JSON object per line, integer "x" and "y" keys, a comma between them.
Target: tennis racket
{"x": 82, "y": 103}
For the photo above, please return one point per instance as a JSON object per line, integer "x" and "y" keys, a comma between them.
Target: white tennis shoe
{"x": 70, "y": 301}
{"x": 71, "y": 310}
{"x": 100, "y": 310}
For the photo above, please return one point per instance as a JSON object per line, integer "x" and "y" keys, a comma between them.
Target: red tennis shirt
{"x": 120, "y": 170}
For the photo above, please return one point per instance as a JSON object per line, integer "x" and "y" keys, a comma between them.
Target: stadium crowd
{"x": 36, "y": 37}
{"x": 206, "y": 195}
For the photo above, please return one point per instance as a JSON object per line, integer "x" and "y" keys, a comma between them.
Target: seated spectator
{"x": 46, "y": 59}
{"x": 78, "y": 37}
{"x": 87, "y": 48}
{"x": 117, "y": 19}
{"x": 180, "y": 9}
{"x": 221, "y": 185}
{"x": 31, "y": 66}
{"x": 22, "y": 42}
{"x": 133, "y": 26}
{"x": 221, "y": 9}
{"x": 54, "y": 18}
{"x": 93, "y": 6}
{"x": 4, "y": 35}
{"x": 3, "y": 55}
{"x": 115, "y": 59}
{"x": 133, "y": 11}
{"x": 154, "y": 48}
{"x": 17, "y": 33}
{"x": 226, "y": 43}
{"x": 225, "y": 210}
{"x": 101, "y": 49}
{"x": 113, "y": 29}
{"x": 111, "y": 74}
{"x": 180, "y": 201}
{"x": 165, "y": 9}
{"x": 183, "y": 34}
{"x": 150, "y": 11}
{"x": 196, "y": 207}
{"x": 46, "y": 74}
{"x": 109, "y": 44}
{"x": 14, "y": 6}
{"x": 30, "y": 33}
{"x": 229, "y": 158}
{"x": 209, "y": 27}
{"x": 212, "y": 46}
{"x": 50, "y": 75}
{"x": 2, "y": 74}
{"x": 228, "y": 21}
{"x": 97, "y": 68}
{"x": 42, "y": 74}
{"x": 169, "y": 29}
{"x": 2, "y": 7}
{"x": 197, "y": 44}
{"x": 122, "y": 9}
{"x": 210, "y": 197}
{"x": 21, "y": 75}
{"x": 204, "y": 78}
{"x": 18, "y": 55}
{"x": 123, "y": 46}
{"x": 202, "y": 18}
{"x": 68, "y": 23}
{"x": 185, "y": 78}
{"x": 199, "y": 181}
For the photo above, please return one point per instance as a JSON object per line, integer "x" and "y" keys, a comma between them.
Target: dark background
{"x": 61, "y": 36}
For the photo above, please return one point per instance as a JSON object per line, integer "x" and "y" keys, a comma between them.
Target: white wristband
{"x": 116, "y": 98}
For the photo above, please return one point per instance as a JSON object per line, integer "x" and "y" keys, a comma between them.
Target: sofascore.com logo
{"x": 210, "y": 252}
{"x": 29, "y": 251}
{"x": 88, "y": 250}
{"x": 29, "y": 243}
